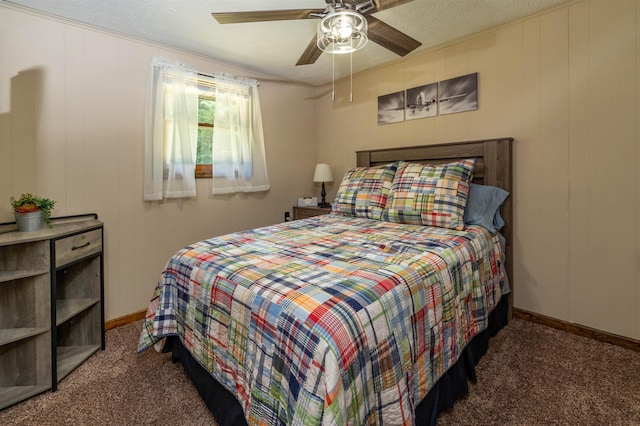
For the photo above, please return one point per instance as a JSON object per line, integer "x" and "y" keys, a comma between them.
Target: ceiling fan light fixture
{"x": 342, "y": 31}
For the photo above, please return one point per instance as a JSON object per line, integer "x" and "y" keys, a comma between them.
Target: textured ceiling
{"x": 274, "y": 47}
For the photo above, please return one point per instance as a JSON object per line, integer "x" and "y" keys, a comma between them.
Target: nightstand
{"x": 305, "y": 212}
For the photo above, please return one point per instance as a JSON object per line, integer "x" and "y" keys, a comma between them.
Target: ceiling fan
{"x": 378, "y": 32}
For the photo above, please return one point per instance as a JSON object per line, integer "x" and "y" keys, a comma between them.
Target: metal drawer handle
{"x": 82, "y": 246}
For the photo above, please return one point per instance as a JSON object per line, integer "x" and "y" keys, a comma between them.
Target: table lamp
{"x": 323, "y": 174}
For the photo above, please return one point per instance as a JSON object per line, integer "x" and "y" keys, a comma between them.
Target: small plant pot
{"x": 27, "y": 222}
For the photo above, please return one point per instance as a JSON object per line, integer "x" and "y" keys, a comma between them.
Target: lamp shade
{"x": 323, "y": 173}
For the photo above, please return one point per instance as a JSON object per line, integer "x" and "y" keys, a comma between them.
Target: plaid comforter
{"x": 328, "y": 320}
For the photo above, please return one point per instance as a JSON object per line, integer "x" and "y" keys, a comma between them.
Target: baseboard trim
{"x": 127, "y": 319}
{"x": 578, "y": 329}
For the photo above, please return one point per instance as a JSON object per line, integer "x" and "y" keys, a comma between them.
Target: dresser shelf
{"x": 13, "y": 394}
{"x": 16, "y": 275}
{"x": 10, "y": 335}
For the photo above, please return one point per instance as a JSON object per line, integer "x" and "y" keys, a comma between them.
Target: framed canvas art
{"x": 391, "y": 108}
{"x": 458, "y": 94}
{"x": 421, "y": 102}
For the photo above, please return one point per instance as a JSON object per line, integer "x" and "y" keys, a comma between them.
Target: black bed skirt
{"x": 453, "y": 385}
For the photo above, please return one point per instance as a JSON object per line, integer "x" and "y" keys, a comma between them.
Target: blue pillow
{"x": 483, "y": 206}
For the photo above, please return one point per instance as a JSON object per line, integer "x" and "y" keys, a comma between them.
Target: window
{"x": 228, "y": 155}
{"x": 204, "y": 126}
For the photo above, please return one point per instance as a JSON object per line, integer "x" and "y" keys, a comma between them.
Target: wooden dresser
{"x": 51, "y": 304}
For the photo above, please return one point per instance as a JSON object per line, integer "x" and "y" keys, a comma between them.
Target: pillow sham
{"x": 433, "y": 195}
{"x": 483, "y": 206}
{"x": 363, "y": 191}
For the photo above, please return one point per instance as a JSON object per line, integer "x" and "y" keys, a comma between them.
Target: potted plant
{"x": 31, "y": 211}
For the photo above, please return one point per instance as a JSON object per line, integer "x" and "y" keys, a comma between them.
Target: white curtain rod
{"x": 225, "y": 76}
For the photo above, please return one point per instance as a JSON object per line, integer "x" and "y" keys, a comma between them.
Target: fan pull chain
{"x": 333, "y": 78}
{"x": 351, "y": 75}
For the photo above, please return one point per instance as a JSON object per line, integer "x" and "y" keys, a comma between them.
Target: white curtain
{"x": 239, "y": 161}
{"x": 171, "y": 131}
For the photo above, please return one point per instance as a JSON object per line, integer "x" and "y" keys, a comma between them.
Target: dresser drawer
{"x": 78, "y": 246}
{"x": 305, "y": 212}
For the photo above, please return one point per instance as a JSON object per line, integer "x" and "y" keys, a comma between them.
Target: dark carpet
{"x": 531, "y": 375}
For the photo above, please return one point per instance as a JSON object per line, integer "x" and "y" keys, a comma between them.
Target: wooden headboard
{"x": 493, "y": 167}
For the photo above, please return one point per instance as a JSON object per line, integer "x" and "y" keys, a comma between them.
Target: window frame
{"x": 204, "y": 171}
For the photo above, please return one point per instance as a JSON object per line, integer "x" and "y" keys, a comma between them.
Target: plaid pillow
{"x": 430, "y": 195}
{"x": 364, "y": 191}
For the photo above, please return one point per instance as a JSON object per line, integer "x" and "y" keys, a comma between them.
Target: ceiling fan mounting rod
{"x": 366, "y": 6}
{"x": 360, "y": 7}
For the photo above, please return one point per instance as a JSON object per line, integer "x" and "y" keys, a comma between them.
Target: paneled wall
{"x": 71, "y": 129}
{"x": 565, "y": 85}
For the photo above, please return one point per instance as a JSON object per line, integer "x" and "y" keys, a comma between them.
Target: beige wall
{"x": 565, "y": 85}
{"x": 71, "y": 129}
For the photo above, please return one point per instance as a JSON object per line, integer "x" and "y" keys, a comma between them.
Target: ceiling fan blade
{"x": 388, "y": 4}
{"x": 387, "y": 36}
{"x": 311, "y": 53}
{"x": 263, "y": 15}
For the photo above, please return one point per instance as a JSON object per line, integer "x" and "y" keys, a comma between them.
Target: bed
{"x": 374, "y": 314}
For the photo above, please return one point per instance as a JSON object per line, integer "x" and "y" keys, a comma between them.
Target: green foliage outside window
{"x": 206, "y": 111}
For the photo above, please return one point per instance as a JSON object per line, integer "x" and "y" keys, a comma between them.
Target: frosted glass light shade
{"x": 342, "y": 31}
